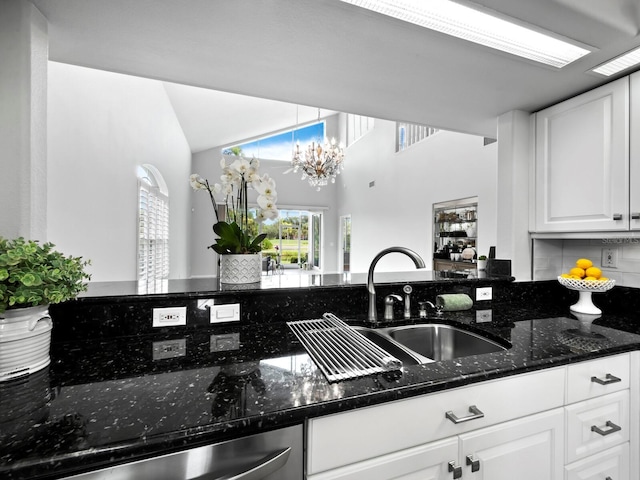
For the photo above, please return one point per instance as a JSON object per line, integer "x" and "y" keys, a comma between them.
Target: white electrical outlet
{"x": 484, "y": 293}
{"x": 225, "y": 313}
{"x": 169, "y": 316}
{"x": 609, "y": 257}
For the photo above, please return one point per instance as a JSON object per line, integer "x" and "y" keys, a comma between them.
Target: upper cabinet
{"x": 634, "y": 159}
{"x": 582, "y": 169}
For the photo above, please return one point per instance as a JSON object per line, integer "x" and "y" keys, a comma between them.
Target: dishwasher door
{"x": 274, "y": 455}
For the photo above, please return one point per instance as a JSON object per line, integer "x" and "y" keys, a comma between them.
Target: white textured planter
{"x": 25, "y": 341}
{"x": 239, "y": 269}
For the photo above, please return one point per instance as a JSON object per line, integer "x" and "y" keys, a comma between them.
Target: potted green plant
{"x": 236, "y": 243}
{"x": 32, "y": 276}
{"x": 482, "y": 262}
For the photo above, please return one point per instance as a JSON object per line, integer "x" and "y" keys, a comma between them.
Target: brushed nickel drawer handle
{"x": 612, "y": 428}
{"x": 608, "y": 379}
{"x": 635, "y": 216}
{"x": 475, "y": 414}
{"x": 617, "y": 216}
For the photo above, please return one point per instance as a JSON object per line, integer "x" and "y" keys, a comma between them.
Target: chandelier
{"x": 319, "y": 164}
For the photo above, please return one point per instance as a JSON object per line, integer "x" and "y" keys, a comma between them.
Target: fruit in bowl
{"x": 585, "y": 270}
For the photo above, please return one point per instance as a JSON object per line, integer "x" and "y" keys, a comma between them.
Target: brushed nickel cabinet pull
{"x": 475, "y": 414}
{"x": 608, "y": 379}
{"x": 475, "y": 464}
{"x": 635, "y": 216}
{"x": 612, "y": 428}
{"x": 617, "y": 216}
{"x": 457, "y": 471}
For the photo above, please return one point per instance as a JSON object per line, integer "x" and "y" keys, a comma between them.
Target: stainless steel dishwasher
{"x": 274, "y": 455}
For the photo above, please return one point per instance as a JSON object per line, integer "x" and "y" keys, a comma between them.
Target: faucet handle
{"x": 388, "y": 305}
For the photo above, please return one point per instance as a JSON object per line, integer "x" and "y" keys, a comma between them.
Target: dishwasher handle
{"x": 254, "y": 471}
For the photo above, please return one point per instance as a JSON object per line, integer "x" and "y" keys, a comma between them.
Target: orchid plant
{"x": 234, "y": 235}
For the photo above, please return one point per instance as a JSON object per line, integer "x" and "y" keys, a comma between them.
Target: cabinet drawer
{"x": 597, "y": 424}
{"x": 354, "y": 436}
{"x": 597, "y": 377}
{"x": 612, "y": 463}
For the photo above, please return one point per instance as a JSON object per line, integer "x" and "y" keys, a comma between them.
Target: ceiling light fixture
{"x": 618, "y": 64}
{"x": 475, "y": 26}
{"x": 320, "y": 165}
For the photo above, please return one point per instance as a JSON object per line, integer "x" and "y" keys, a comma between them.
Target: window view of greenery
{"x": 287, "y": 239}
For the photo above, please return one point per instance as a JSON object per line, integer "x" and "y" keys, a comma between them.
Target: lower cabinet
{"x": 569, "y": 423}
{"x": 529, "y": 448}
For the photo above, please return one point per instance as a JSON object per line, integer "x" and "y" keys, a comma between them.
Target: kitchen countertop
{"x": 110, "y": 400}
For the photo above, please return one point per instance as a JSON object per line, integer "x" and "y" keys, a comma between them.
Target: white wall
{"x": 292, "y": 192}
{"x": 398, "y": 209}
{"x": 102, "y": 125}
{"x": 551, "y": 257}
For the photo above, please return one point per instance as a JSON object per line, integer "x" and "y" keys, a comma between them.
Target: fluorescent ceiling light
{"x": 475, "y": 26}
{"x": 616, "y": 65}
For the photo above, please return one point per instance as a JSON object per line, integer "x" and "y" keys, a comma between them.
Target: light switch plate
{"x": 224, "y": 313}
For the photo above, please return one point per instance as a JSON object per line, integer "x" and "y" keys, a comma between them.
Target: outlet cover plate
{"x": 609, "y": 257}
{"x": 169, "y": 316}
{"x": 484, "y": 293}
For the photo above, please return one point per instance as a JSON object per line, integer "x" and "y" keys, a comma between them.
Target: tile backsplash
{"x": 551, "y": 257}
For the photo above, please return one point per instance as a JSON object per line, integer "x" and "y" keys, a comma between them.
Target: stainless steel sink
{"x": 423, "y": 343}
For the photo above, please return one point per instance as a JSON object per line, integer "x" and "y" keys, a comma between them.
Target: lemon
{"x": 578, "y": 272}
{"x": 565, "y": 275}
{"x": 584, "y": 263}
{"x": 603, "y": 279}
{"x": 575, "y": 277}
{"x": 593, "y": 272}
{"x": 590, "y": 279}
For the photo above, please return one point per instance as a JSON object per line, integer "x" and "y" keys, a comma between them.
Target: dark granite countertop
{"x": 109, "y": 400}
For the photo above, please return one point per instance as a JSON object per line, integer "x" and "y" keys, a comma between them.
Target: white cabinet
{"x": 576, "y": 422}
{"x": 598, "y": 419}
{"x": 582, "y": 162}
{"x": 634, "y": 159}
{"x": 371, "y": 432}
{"x": 529, "y": 448}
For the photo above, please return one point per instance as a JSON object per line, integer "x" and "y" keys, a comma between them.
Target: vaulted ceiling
{"x": 325, "y": 53}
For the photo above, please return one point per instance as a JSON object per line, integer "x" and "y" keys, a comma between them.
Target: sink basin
{"x": 429, "y": 342}
{"x": 442, "y": 342}
{"x": 391, "y": 347}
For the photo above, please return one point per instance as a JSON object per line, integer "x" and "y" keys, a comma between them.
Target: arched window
{"x": 153, "y": 230}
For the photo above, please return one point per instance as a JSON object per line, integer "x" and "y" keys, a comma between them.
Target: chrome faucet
{"x": 417, "y": 260}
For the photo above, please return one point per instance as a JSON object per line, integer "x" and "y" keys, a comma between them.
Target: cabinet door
{"x": 530, "y": 448}
{"x": 582, "y": 162}
{"x": 634, "y": 202}
{"x": 425, "y": 462}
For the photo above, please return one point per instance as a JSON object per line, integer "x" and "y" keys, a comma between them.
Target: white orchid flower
{"x": 266, "y": 203}
{"x": 241, "y": 165}
{"x": 269, "y": 213}
{"x": 266, "y": 188}
{"x": 217, "y": 189}
{"x": 197, "y": 182}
